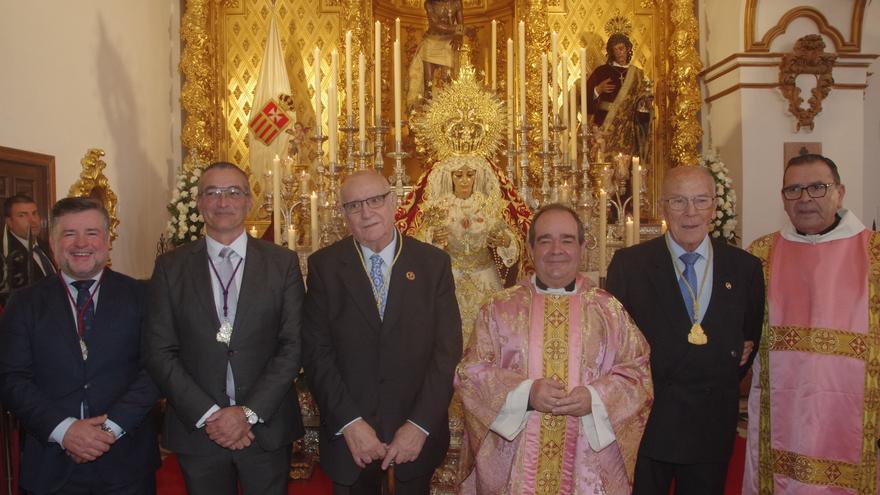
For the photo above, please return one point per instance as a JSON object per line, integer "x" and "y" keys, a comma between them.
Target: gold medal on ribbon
{"x": 84, "y": 349}
{"x": 224, "y": 335}
{"x": 697, "y": 336}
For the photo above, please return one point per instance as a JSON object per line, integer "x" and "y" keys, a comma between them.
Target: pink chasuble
{"x": 815, "y": 395}
{"x": 581, "y": 339}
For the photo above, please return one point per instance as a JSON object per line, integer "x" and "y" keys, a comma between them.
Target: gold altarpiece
{"x": 223, "y": 43}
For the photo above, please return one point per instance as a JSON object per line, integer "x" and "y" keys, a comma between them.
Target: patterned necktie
{"x": 225, "y": 270}
{"x": 378, "y": 282}
{"x": 691, "y": 276}
{"x": 83, "y": 297}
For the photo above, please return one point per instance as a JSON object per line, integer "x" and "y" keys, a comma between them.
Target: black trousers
{"x": 374, "y": 481}
{"x": 653, "y": 477}
{"x": 259, "y": 472}
{"x": 84, "y": 480}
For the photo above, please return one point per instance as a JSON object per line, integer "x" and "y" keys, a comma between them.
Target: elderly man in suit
{"x": 381, "y": 339}
{"x": 700, "y": 304}
{"x": 70, "y": 367}
{"x": 222, "y": 342}
{"x": 23, "y": 224}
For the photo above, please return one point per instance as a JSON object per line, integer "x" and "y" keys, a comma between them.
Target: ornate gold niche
{"x": 223, "y": 43}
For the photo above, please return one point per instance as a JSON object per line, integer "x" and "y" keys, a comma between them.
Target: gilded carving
{"x": 684, "y": 89}
{"x": 809, "y": 58}
{"x": 92, "y": 183}
{"x": 197, "y": 95}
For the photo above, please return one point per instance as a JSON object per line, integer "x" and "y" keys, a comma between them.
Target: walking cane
{"x": 391, "y": 481}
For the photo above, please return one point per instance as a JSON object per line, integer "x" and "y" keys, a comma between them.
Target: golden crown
{"x": 618, "y": 24}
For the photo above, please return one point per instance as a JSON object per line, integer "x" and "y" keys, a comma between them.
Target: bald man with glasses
{"x": 813, "y": 402}
{"x": 699, "y": 302}
{"x": 381, "y": 339}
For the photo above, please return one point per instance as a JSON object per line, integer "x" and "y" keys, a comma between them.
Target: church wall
{"x": 746, "y": 116}
{"x": 98, "y": 74}
{"x": 871, "y": 44}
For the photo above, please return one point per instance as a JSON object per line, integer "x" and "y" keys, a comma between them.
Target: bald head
{"x": 368, "y": 207}
{"x": 361, "y": 179}
{"x": 688, "y": 173}
{"x": 688, "y": 201}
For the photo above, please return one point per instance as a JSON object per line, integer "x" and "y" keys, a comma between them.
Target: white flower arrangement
{"x": 724, "y": 223}
{"x": 186, "y": 223}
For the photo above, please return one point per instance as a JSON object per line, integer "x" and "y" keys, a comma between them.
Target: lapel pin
{"x": 728, "y": 285}
{"x": 410, "y": 275}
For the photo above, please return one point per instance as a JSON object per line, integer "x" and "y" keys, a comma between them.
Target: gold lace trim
{"x": 818, "y": 341}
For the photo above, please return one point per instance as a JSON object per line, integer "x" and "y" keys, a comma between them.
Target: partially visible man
{"x": 70, "y": 367}
{"x": 555, "y": 379}
{"x": 222, "y": 342}
{"x": 699, "y": 303}
{"x": 812, "y": 406}
{"x": 23, "y": 222}
{"x": 381, "y": 339}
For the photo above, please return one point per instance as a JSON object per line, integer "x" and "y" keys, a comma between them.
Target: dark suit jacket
{"x": 696, "y": 388}
{"x": 189, "y": 365}
{"x": 385, "y": 371}
{"x": 43, "y": 378}
{"x": 22, "y": 270}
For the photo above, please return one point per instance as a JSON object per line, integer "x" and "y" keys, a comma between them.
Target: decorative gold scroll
{"x": 808, "y": 57}
{"x": 92, "y": 183}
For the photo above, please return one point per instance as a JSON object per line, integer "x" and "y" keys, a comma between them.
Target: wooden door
{"x": 30, "y": 173}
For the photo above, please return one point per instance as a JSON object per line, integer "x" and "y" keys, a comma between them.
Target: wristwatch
{"x": 250, "y": 415}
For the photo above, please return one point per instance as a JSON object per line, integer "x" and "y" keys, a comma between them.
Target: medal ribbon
{"x": 225, "y": 287}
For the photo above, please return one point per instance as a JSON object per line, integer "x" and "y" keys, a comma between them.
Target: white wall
{"x": 871, "y": 44}
{"x": 98, "y": 74}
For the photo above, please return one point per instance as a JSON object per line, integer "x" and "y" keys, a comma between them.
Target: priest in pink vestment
{"x": 813, "y": 404}
{"x": 555, "y": 381}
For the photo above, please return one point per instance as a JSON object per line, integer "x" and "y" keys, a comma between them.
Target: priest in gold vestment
{"x": 555, "y": 379}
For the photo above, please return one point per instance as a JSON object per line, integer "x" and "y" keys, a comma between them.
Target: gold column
{"x": 534, "y": 13}
{"x": 199, "y": 133}
{"x": 684, "y": 89}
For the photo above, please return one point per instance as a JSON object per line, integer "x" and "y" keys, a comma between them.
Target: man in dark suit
{"x": 70, "y": 367}
{"x": 222, "y": 342}
{"x": 700, "y": 304}
{"x": 23, "y": 268}
{"x": 381, "y": 339}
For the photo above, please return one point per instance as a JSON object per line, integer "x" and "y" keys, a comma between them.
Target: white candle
{"x": 291, "y": 238}
{"x": 493, "y": 55}
{"x": 636, "y": 195}
{"x": 629, "y": 231}
{"x": 544, "y": 120}
{"x": 584, "y": 87}
{"x": 253, "y": 231}
{"x": 522, "y": 71}
{"x": 572, "y": 126}
{"x": 317, "y": 69}
{"x": 313, "y": 218}
{"x": 554, "y": 56}
{"x": 663, "y": 226}
{"x": 603, "y": 231}
{"x": 349, "y": 113}
{"x": 303, "y": 183}
{"x": 563, "y": 91}
{"x": 276, "y": 199}
{"x": 397, "y": 29}
{"x": 397, "y": 93}
{"x": 510, "y": 109}
{"x": 362, "y": 101}
{"x": 377, "y": 74}
{"x": 333, "y": 111}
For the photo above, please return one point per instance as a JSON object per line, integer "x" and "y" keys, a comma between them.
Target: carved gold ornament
{"x": 93, "y": 184}
{"x": 808, "y": 57}
{"x": 463, "y": 118}
{"x": 618, "y": 25}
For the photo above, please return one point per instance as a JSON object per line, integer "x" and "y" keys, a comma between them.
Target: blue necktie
{"x": 83, "y": 297}
{"x": 378, "y": 282}
{"x": 691, "y": 276}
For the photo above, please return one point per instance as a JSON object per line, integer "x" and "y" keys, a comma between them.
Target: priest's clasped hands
{"x": 549, "y": 396}
{"x": 365, "y": 446}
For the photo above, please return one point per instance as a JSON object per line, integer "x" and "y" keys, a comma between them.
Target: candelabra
{"x": 398, "y": 156}
{"x": 350, "y": 154}
{"x": 332, "y": 226}
{"x": 524, "y": 161}
{"x": 586, "y": 196}
{"x": 379, "y": 138}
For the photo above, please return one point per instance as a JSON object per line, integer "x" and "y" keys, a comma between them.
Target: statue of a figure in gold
{"x": 439, "y": 45}
{"x": 619, "y": 98}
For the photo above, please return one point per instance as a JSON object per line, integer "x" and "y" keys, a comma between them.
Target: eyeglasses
{"x": 680, "y": 203}
{"x": 813, "y": 190}
{"x": 373, "y": 202}
{"x": 231, "y": 192}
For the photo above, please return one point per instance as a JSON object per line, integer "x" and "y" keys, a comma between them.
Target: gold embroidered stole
{"x": 619, "y": 126}
{"x": 862, "y": 477}
{"x": 548, "y": 476}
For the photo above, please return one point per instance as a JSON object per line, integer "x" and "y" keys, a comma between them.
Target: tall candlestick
{"x": 377, "y": 73}
{"x": 563, "y": 91}
{"x": 313, "y": 221}
{"x": 348, "y": 91}
{"x": 291, "y": 238}
{"x": 397, "y": 29}
{"x": 276, "y": 199}
{"x": 333, "y": 110}
{"x": 362, "y": 101}
{"x": 510, "y": 109}
{"x": 554, "y": 56}
{"x": 317, "y": 69}
{"x": 397, "y": 92}
{"x": 629, "y": 232}
{"x": 572, "y": 126}
{"x": 602, "y": 234}
{"x": 636, "y": 195}
{"x": 584, "y": 87}
{"x": 522, "y": 71}
{"x": 545, "y": 131}
{"x": 493, "y": 55}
